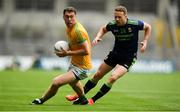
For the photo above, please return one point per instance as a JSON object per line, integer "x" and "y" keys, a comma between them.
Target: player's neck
{"x": 122, "y": 23}
{"x": 70, "y": 27}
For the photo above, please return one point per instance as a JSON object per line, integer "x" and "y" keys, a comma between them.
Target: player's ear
{"x": 126, "y": 16}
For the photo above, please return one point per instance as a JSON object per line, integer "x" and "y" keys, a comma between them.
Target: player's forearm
{"x": 101, "y": 32}
{"x": 80, "y": 52}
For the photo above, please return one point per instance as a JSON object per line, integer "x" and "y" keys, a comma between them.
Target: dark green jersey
{"x": 126, "y": 37}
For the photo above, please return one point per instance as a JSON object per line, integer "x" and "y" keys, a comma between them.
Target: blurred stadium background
{"x": 29, "y": 29}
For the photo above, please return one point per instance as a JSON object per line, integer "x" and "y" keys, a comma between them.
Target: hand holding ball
{"x": 59, "y": 45}
{"x": 61, "y": 48}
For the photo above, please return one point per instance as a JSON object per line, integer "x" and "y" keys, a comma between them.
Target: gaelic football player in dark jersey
{"x": 123, "y": 54}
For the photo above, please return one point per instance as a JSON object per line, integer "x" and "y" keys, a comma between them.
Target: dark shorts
{"x": 113, "y": 59}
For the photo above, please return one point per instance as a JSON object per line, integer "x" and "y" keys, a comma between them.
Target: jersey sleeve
{"x": 80, "y": 36}
{"x": 140, "y": 25}
{"x": 108, "y": 27}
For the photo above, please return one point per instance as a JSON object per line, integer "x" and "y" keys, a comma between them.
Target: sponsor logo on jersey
{"x": 115, "y": 31}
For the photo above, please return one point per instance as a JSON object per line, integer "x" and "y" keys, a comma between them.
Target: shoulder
{"x": 78, "y": 24}
{"x": 134, "y": 22}
{"x": 79, "y": 27}
{"x": 111, "y": 23}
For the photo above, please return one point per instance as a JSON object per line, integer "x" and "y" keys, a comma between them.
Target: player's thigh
{"x": 65, "y": 78}
{"x": 118, "y": 72}
{"x": 102, "y": 70}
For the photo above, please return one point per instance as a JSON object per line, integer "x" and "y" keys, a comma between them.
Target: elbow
{"x": 86, "y": 52}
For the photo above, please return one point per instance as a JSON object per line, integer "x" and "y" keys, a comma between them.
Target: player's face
{"x": 69, "y": 18}
{"x": 120, "y": 18}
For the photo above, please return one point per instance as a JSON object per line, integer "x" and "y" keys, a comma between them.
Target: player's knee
{"x": 112, "y": 79}
{"x": 97, "y": 76}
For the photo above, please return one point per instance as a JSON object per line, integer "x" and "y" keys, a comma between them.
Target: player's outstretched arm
{"x": 99, "y": 35}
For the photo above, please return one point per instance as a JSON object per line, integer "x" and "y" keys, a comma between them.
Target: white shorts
{"x": 80, "y": 73}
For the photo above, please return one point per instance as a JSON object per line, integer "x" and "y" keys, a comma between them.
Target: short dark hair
{"x": 121, "y": 9}
{"x": 69, "y": 9}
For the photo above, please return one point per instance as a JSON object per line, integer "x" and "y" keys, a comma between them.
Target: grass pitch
{"x": 133, "y": 92}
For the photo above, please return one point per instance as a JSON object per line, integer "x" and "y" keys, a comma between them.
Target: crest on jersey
{"x": 129, "y": 29}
